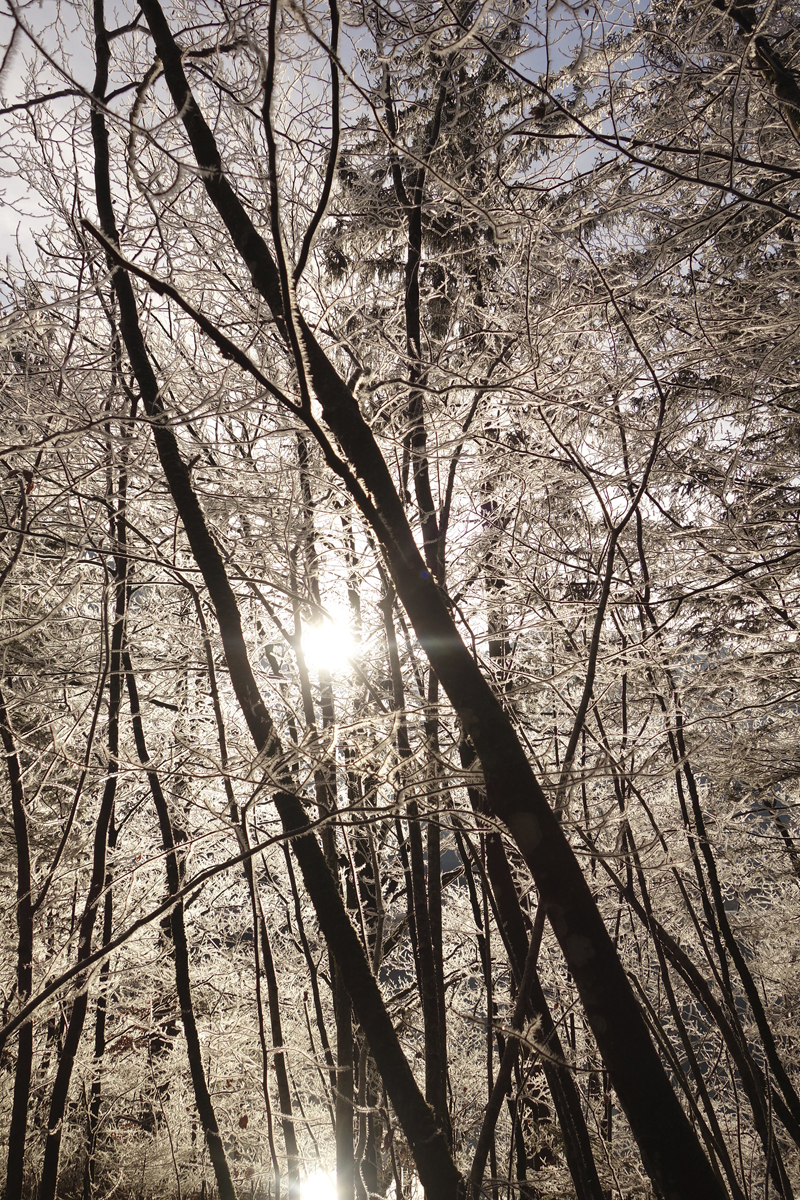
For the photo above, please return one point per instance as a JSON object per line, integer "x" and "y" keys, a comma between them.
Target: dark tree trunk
{"x": 18, "y": 1126}
{"x": 100, "y": 1019}
{"x": 516, "y": 936}
{"x": 279, "y": 1058}
{"x": 345, "y": 1091}
{"x": 205, "y": 1105}
{"x": 260, "y": 938}
{"x": 49, "y": 1177}
{"x": 421, "y": 926}
{"x": 325, "y": 785}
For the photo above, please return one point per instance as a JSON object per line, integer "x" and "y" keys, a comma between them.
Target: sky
{"x": 45, "y": 29}
{"x": 54, "y": 33}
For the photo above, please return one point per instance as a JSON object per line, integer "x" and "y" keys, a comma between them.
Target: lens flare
{"x": 318, "y": 1186}
{"x": 328, "y": 644}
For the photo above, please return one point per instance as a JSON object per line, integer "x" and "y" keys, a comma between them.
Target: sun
{"x": 318, "y": 1186}
{"x": 328, "y": 644}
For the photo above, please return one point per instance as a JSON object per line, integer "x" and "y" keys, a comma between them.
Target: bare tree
{"x": 469, "y": 331}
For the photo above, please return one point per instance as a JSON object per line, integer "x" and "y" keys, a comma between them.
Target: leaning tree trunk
{"x": 436, "y": 1167}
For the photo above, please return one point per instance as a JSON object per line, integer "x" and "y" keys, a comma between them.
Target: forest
{"x": 399, "y": 568}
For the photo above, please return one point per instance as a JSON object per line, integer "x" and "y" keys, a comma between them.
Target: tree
{"x": 476, "y": 340}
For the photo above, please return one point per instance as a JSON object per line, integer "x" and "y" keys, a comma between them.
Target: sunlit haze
{"x": 318, "y": 1186}
{"x": 328, "y": 644}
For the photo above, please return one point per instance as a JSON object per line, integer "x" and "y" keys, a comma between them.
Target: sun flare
{"x": 318, "y": 1186}
{"x": 328, "y": 644}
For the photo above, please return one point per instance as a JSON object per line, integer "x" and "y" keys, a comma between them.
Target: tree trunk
{"x": 101, "y": 1014}
{"x": 205, "y": 1105}
{"x": 18, "y": 1126}
{"x": 58, "y": 1099}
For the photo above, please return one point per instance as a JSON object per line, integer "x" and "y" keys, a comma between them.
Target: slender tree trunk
{"x": 205, "y": 1105}
{"x": 439, "y": 1065}
{"x": 49, "y": 1177}
{"x": 325, "y": 784}
{"x": 760, "y": 1095}
{"x": 510, "y": 1053}
{"x": 101, "y": 1014}
{"x": 420, "y": 925}
{"x": 104, "y": 833}
{"x": 313, "y": 975}
{"x": 345, "y": 1091}
{"x": 18, "y": 1126}
{"x": 118, "y": 535}
{"x": 427, "y": 901}
{"x": 711, "y": 892}
{"x": 260, "y": 938}
{"x": 279, "y": 1058}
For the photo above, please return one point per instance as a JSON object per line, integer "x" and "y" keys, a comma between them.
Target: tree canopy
{"x": 398, "y": 582}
